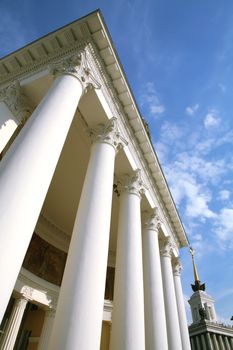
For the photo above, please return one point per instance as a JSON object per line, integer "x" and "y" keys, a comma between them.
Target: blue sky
{"x": 178, "y": 57}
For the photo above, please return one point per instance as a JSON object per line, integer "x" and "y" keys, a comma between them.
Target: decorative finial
{"x": 198, "y": 285}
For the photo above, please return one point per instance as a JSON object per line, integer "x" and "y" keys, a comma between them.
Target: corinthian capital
{"x": 151, "y": 220}
{"x": 177, "y": 267}
{"x": 132, "y": 183}
{"x": 107, "y": 133}
{"x": 167, "y": 248}
{"x": 78, "y": 67}
{"x": 17, "y": 102}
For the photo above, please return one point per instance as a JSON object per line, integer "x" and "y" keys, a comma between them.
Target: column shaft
{"x": 12, "y": 329}
{"x": 198, "y": 342}
{"x": 26, "y": 172}
{"x": 221, "y": 343}
{"x": 181, "y": 309}
{"x": 209, "y": 341}
{"x": 215, "y": 342}
{"x": 155, "y": 320}
{"x": 78, "y": 319}
{"x": 46, "y": 330}
{"x": 128, "y": 304}
{"x": 173, "y": 329}
{"x": 227, "y": 343}
{"x": 193, "y": 343}
{"x": 203, "y": 342}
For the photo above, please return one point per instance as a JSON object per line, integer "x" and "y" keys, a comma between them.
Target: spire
{"x": 198, "y": 285}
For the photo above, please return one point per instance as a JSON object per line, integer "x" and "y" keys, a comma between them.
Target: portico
{"x": 79, "y": 175}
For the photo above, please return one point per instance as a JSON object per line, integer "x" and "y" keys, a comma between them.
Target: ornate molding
{"x": 151, "y": 220}
{"x": 17, "y": 101}
{"x": 107, "y": 133}
{"x": 77, "y": 66}
{"x": 27, "y": 293}
{"x": 132, "y": 184}
{"x": 167, "y": 248}
{"x": 177, "y": 267}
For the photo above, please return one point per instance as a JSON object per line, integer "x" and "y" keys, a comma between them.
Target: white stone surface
{"x": 47, "y": 329}
{"x": 128, "y": 304}
{"x": 155, "y": 320}
{"x": 173, "y": 329}
{"x": 181, "y": 308}
{"x": 25, "y": 175}
{"x": 13, "y": 325}
{"x": 8, "y": 124}
{"x": 79, "y": 315}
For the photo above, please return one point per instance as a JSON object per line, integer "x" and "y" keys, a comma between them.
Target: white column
{"x": 128, "y": 305}
{"x": 173, "y": 329}
{"x": 193, "y": 343}
{"x": 46, "y": 330}
{"x": 221, "y": 343}
{"x": 79, "y": 314}
{"x": 215, "y": 342}
{"x": 181, "y": 307}
{"x": 155, "y": 320}
{"x": 27, "y": 169}
{"x": 203, "y": 342}
{"x": 198, "y": 337}
{"x": 231, "y": 341}
{"x": 227, "y": 343}
{"x": 13, "y": 325}
{"x": 209, "y": 341}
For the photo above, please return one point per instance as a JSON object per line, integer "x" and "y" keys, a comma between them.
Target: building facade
{"x": 206, "y": 332}
{"x": 89, "y": 233}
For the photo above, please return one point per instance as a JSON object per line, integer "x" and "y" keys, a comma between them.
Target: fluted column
{"x": 173, "y": 329}
{"x": 209, "y": 341}
{"x": 181, "y": 307}
{"x": 221, "y": 345}
{"x": 155, "y": 320}
{"x": 79, "y": 314}
{"x": 228, "y": 347}
{"x": 215, "y": 342}
{"x": 203, "y": 342}
{"x": 128, "y": 304}
{"x": 27, "y": 169}
{"x": 198, "y": 340}
{"x": 13, "y": 325}
{"x": 47, "y": 329}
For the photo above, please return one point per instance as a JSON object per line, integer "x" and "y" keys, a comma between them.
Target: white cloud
{"x": 211, "y": 119}
{"x": 188, "y": 191}
{"x": 224, "y": 225}
{"x": 150, "y": 100}
{"x": 191, "y": 110}
{"x": 171, "y": 133}
{"x": 224, "y": 195}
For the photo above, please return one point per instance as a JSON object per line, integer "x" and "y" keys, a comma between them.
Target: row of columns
{"x": 211, "y": 341}
{"x": 24, "y": 181}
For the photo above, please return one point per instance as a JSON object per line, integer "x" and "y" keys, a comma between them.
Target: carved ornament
{"x": 132, "y": 183}
{"x": 151, "y": 220}
{"x": 17, "y": 101}
{"x": 78, "y": 67}
{"x": 108, "y": 133}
